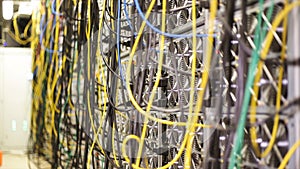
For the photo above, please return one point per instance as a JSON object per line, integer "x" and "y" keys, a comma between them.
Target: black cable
{"x": 241, "y": 81}
{"x": 114, "y": 32}
{"x": 295, "y": 62}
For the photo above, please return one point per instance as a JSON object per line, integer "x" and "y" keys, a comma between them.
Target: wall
{"x": 15, "y": 97}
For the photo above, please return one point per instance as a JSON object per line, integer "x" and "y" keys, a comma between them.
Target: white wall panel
{"x": 15, "y": 97}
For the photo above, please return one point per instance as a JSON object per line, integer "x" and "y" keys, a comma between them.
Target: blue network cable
{"x": 43, "y": 28}
{"x": 118, "y": 42}
{"x": 127, "y": 17}
{"x": 53, "y": 10}
{"x": 137, "y": 5}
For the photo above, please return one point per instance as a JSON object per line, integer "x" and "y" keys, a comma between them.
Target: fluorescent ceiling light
{"x": 7, "y": 9}
{"x": 25, "y": 8}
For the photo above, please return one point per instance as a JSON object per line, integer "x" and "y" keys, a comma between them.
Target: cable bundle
{"x": 160, "y": 84}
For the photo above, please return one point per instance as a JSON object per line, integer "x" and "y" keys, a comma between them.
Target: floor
{"x": 15, "y": 160}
